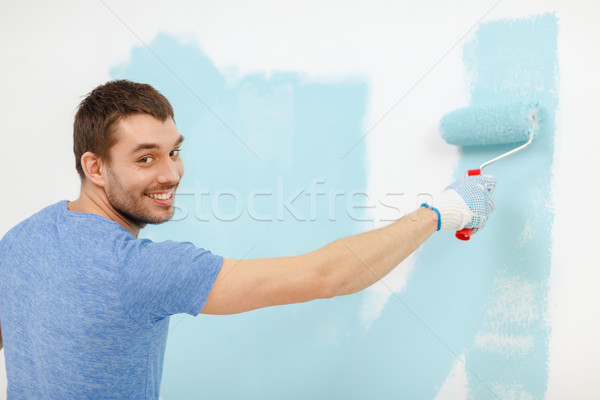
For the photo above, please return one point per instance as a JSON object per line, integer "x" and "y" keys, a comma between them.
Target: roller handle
{"x": 465, "y": 234}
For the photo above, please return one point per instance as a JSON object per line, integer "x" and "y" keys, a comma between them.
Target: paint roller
{"x": 490, "y": 125}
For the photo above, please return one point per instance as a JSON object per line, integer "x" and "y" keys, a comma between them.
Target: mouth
{"x": 163, "y": 198}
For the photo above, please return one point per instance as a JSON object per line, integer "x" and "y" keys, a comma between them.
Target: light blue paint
{"x": 517, "y": 60}
{"x": 297, "y": 128}
{"x": 508, "y": 61}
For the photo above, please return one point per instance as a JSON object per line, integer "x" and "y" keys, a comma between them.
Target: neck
{"x": 93, "y": 202}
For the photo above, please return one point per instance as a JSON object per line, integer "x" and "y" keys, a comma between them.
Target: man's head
{"x": 126, "y": 146}
{"x": 101, "y": 110}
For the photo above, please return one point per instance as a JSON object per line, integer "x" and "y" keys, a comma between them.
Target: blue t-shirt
{"x": 85, "y": 306}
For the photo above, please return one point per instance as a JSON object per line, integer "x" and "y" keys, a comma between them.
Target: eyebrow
{"x": 143, "y": 146}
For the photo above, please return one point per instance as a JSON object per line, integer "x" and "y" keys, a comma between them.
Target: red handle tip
{"x": 464, "y": 234}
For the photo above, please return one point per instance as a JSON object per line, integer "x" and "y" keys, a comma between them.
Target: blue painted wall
{"x": 488, "y": 299}
{"x": 264, "y": 132}
{"x": 281, "y": 134}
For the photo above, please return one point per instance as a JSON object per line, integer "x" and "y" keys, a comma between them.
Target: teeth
{"x": 162, "y": 196}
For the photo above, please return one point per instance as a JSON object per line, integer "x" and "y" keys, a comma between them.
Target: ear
{"x": 92, "y": 168}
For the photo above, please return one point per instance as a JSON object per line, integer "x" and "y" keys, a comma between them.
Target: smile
{"x": 161, "y": 196}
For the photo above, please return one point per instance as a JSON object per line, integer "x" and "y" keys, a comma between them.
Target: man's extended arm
{"x": 343, "y": 267}
{"x": 349, "y": 264}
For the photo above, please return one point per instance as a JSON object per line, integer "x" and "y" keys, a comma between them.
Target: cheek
{"x": 137, "y": 180}
{"x": 180, "y": 168}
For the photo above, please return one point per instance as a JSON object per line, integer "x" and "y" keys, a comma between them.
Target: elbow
{"x": 337, "y": 274}
{"x": 331, "y": 282}
{"x": 326, "y": 285}
{"x": 330, "y": 289}
{"x": 341, "y": 285}
{"x": 320, "y": 282}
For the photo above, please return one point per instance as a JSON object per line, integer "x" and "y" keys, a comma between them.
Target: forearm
{"x": 356, "y": 262}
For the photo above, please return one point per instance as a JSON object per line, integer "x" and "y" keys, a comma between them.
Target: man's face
{"x": 145, "y": 169}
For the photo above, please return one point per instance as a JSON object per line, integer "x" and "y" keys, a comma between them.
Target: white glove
{"x": 467, "y": 203}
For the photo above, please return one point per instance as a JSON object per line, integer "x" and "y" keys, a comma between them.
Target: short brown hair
{"x": 102, "y": 109}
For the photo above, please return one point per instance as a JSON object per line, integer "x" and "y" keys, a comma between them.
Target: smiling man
{"x": 85, "y": 304}
{"x": 136, "y": 183}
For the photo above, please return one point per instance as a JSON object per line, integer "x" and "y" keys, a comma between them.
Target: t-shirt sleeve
{"x": 158, "y": 279}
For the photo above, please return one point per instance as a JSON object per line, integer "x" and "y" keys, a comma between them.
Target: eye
{"x": 146, "y": 160}
{"x": 174, "y": 153}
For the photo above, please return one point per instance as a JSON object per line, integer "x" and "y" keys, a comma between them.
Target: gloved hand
{"x": 467, "y": 203}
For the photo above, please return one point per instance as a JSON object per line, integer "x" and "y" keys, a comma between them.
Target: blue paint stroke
{"x": 517, "y": 60}
{"x": 473, "y": 297}
{"x": 297, "y": 128}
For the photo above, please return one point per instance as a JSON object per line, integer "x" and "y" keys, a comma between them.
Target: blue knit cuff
{"x": 436, "y": 211}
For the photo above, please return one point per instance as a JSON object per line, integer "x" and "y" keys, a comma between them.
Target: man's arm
{"x": 343, "y": 267}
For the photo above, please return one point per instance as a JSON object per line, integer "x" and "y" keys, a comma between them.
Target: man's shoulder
{"x": 45, "y": 213}
{"x": 33, "y": 222}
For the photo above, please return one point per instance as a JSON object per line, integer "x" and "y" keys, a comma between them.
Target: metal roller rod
{"x": 509, "y": 153}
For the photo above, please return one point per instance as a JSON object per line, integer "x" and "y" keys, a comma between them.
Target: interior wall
{"x": 364, "y": 84}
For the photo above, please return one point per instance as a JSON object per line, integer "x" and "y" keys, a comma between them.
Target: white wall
{"x": 54, "y": 54}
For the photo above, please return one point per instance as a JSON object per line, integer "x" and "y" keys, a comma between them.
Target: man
{"x": 85, "y": 305}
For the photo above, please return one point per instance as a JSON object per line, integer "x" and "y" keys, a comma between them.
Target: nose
{"x": 169, "y": 173}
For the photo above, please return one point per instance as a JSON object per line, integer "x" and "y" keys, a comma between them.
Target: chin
{"x": 160, "y": 221}
{"x": 146, "y": 218}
